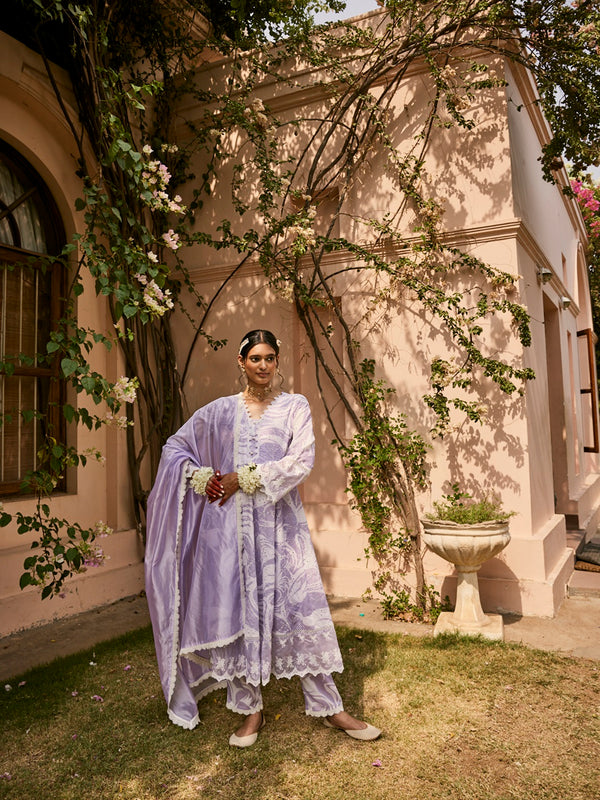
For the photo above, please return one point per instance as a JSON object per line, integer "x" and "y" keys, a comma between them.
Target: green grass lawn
{"x": 461, "y": 718}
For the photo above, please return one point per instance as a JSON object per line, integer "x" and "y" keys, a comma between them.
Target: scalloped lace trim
{"x": 175, "y": 640}
{"x": 191, "y": 652}
{"x": 188, "y": 724}
{"x": 214, "y": 687}
{"x": 322, "y": 714}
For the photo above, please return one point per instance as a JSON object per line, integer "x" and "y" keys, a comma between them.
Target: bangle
{"x": 249, "y": 478}
{"x": 199, "y": 479}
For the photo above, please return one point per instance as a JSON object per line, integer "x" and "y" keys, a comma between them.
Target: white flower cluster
{"x": 304, "y": 238}
{"x": 447, "y": 74}
{"x": 158, "y": 301}
{"x": 92, "y": 452}
{"x": 125, "y": 389}
{"x": 93, "y": 556}
{"x": 256, "y": 109}
{"x": 200, "y": 478}
{"x": 249, "y": 478}
{"x": 155, "y": 178}
{"x": 119, "y": 422}
{"x": 286, "y": 291}
{"x": 171, "y": 239}
{"x": 102, "y": 529}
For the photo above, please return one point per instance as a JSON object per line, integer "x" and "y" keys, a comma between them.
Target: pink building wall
{"x": 500, "y": 209}
{"x": 31, "y": 121}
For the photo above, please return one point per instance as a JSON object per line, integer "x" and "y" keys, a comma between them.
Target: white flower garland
{"x": 249, "y": 478}
{"x": 199, "y": 479}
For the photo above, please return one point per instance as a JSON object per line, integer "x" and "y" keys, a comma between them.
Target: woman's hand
{"x": 214, "y": 488}
{"x": 222, "y": 487}
{"x": 230, "y": 485}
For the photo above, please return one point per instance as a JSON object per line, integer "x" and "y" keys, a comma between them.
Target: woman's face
{"x": 260, "y": 364}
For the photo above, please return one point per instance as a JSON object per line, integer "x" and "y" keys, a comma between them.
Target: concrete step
{"x": 584, "y": 584}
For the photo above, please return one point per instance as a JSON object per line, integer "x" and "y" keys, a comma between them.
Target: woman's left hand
{"x": 230, "y": 485}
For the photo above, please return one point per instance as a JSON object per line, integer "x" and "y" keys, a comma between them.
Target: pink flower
{"x": 377, "y": 763}
{"x": 127, "y": 668}
{"x": 97, "y": 698}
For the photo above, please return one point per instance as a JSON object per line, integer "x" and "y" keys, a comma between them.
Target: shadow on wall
{"x": 481, "y": 457}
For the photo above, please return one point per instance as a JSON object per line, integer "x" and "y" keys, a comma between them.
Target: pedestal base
{"x": 491, "y": 627}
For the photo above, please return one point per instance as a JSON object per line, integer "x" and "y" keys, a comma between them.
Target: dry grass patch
{"x": 463, "y": 720}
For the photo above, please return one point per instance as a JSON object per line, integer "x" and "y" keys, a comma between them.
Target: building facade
{"x": 538, "y": 452}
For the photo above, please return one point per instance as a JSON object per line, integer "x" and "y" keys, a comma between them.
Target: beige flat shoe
{"x": 367, "y": 734}
{"x": 247, "y": 741}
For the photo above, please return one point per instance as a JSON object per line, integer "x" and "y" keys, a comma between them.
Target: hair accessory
{"x": 243, "y": 344}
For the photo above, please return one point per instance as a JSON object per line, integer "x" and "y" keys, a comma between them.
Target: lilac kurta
{"x": 235, "y": 590}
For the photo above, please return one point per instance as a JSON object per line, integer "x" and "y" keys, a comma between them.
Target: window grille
{"x": 30, "y": 290}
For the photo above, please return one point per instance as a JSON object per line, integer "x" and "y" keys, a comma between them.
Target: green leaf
{"x": 26, "y": 580}
{"x": 89, "y": 384}
{"x": 68, "y": 366}
{"x": 69, "y": 412}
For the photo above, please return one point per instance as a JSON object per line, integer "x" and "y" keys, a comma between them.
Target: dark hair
{"x": 253, "y": 338}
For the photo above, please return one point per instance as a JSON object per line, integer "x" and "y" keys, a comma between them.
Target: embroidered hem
{"x": 175, "y": 639}
{"x": 191, "y": 651}
{"x": 188, "y": 724}
{"x": 247, "y": 713}
{"x": 322, "y": 714}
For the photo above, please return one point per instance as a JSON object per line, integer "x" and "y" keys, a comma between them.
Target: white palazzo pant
{"x": 321, "y": 697}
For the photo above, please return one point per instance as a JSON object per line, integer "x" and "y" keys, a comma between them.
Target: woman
{"x": 232, "y": 580}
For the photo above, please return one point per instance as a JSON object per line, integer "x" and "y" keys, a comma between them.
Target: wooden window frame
{"x": 54, "y": 238}
{"x": 588, "y": 333}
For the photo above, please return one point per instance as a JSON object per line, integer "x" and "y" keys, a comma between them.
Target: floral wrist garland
{"x": 199, "y": 479}
{"x": 249, "y": 478}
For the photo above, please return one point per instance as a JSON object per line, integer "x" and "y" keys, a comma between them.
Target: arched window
{"x": 30, "y": 292}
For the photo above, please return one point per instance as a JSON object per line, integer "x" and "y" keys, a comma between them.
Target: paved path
{"x": 575, "y": 631}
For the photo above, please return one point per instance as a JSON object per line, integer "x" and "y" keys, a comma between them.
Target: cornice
{"x": 511, "y": 229}
{"x": 28, "y": 72}
{"x": 526, "y": 85}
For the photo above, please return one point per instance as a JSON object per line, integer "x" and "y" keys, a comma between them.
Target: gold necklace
{"x": 258, "y": 394}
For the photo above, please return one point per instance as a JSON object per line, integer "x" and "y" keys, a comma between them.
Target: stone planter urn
{"x": 467, "y": 546}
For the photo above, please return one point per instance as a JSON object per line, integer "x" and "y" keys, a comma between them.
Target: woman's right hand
{"x": 214, "y": 488}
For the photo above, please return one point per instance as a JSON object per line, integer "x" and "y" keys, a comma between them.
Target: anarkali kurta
{"x": 235, "y": 590}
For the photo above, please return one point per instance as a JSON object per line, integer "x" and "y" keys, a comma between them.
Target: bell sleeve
{"x": 279, "y": 477}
